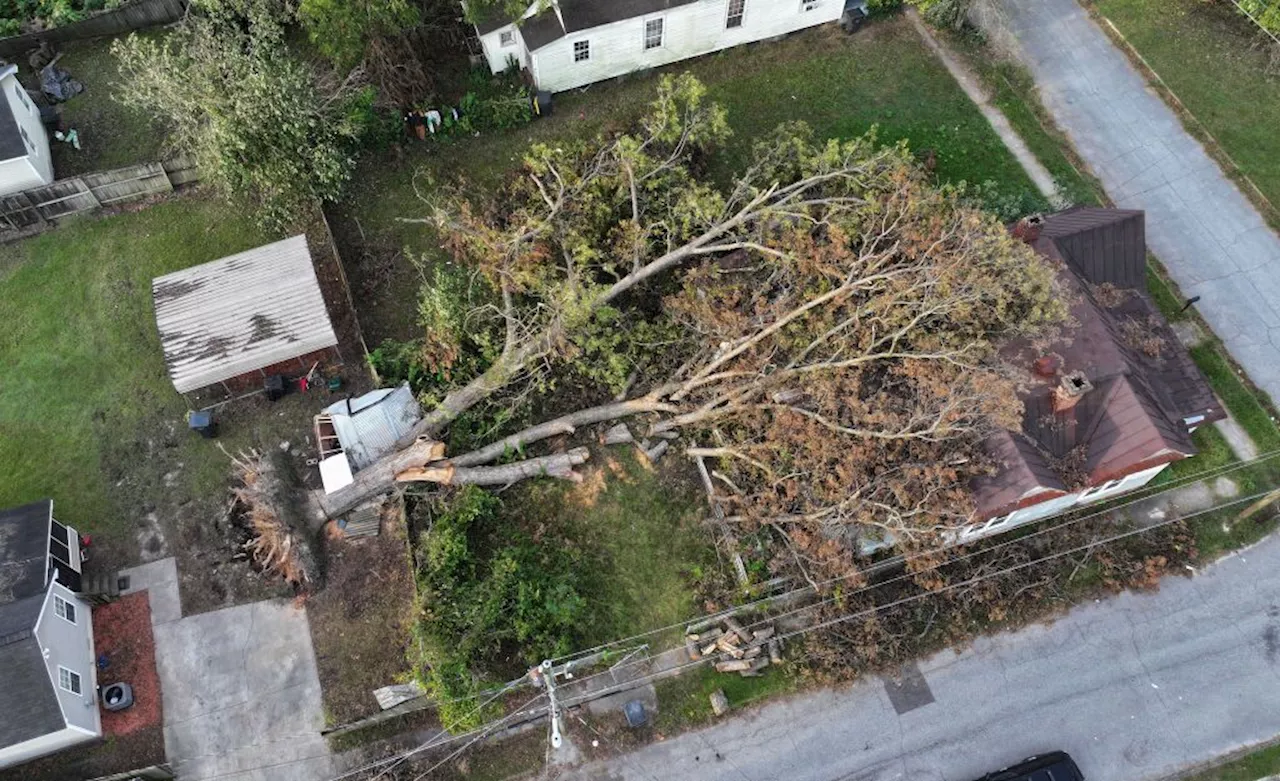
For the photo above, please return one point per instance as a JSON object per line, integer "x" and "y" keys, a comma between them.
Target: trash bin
{"x": 202, "y": 423}
{"x": 274, "y": 386}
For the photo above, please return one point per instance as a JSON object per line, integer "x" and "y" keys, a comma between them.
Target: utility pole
{"x": 545, "y": 675}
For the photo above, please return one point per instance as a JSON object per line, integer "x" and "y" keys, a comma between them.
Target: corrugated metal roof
{"x": 241, "y": 313}
{"x": 368, "y": 426}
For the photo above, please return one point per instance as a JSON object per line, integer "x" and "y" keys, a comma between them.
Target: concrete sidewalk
{"x": 1206, "y": 233}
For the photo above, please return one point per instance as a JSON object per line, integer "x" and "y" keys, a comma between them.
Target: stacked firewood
{"x": 736, "y": 650}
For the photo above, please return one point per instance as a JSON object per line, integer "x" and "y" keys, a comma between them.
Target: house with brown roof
{"x": 1112, "y": 402}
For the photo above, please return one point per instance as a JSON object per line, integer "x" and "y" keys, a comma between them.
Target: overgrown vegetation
{"x": 22, "y": 16}
{"x": 490, "y": 598}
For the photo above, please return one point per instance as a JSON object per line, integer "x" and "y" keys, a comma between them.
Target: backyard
{"x": 88, "y": 415}
{"x": 1206, "y": 54}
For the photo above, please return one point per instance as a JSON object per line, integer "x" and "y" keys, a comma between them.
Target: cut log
{"x": 691, "y": 648}
{"x": 775, "y": 651}
{"x": 752, "y": 653}
{"x": 657, "y": 451}
{"x": 727, "y": 645}
{"x": 733, "y": 666}
{"x": 448, "y": 473}
{"x": 708, "y": 649}
{"x": 709, "y": 635}
{"x": 737, "y": 629}
{"x": 759, "y": 636}
{"x": 719, "y": 702}
{"x": 618, "y": 435}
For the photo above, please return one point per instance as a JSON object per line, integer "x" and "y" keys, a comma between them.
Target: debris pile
{"x": 735, "y": 649}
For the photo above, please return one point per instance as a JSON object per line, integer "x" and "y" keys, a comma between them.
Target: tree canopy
{"x": 262, "y": 125}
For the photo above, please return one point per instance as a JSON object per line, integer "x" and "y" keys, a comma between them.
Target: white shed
{"x": 572, "y": 43}
{"x": 25, "y": 160}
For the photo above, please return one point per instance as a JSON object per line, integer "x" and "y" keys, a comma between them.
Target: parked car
{"x": 1055, "y": 766}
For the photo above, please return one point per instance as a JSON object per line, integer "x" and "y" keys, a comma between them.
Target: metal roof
{"x": 368, "y": 426}
{"x": 241, "y": 313}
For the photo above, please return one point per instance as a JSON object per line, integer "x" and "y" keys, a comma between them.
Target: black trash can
{"x": 202, "y": 423}
{"x": 274, "y": 386}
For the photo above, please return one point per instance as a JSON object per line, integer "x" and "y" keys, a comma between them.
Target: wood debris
{"x": 734, "y": 649}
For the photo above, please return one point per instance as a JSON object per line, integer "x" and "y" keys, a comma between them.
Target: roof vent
{"x": 1028, "y": 228}
{"x": 1069, "y": 392}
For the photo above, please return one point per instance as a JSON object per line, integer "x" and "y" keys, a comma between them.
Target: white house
{"x": 571, "y": 43}
{"x": 47, "y": 670}
{"x": 25, "y": 161}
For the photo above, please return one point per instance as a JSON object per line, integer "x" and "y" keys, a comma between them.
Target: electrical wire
{"x": 1130, "y": 499}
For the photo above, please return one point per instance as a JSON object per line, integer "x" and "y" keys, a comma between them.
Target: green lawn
{"x": 841, "y": 85}
{"x": 1253, "y": 767}
{"x": 1203, "y": 52}
{"x": 641, "y": 528}
{"x": 111, "y": 134}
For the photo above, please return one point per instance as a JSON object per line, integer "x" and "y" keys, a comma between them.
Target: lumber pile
{"x": 735, "y": 649}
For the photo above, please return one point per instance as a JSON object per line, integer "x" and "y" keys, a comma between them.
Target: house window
{"x": 1099, "y": 489}
{"x": 64, "y": 609}
{"x": 26, "y": 139}
{"x": 736, "y": 10}
{"x": 22, "y": 96}
{"x": 809, "y": 5}
{"x": 507, "y": 39}
{"x": 68, "y": 680}
{"x": 652, "y": 34}
{"x": 581, "y": 51}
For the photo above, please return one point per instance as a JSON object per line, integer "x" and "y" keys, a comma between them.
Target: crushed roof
{"x": 1145, "y": 385}
{"x": 241, "y": 313}
{"x": 368, "y": 426}
{"x": 24, "y": 550}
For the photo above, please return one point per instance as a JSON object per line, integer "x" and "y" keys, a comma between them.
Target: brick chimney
{"x": 1068, "y": 392}
{"x": 1028, "y": 228}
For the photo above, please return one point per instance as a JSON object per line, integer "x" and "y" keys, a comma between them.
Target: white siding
{"x": 496, "y": 54}
{"x": 37, "y": 167}
{"x": 689, "y": 31}
{"x": 71, "y": 646}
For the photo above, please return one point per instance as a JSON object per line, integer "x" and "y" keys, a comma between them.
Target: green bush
{"x": 487, "y": 593}
{"x": 17, "y": 15}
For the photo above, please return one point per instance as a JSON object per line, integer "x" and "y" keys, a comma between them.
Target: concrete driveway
{"x": 240, "y": 689}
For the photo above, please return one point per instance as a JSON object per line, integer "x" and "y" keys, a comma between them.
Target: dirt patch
{"x": 361, "y": 621}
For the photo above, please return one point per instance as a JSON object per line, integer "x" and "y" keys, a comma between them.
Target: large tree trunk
{"x": 448, "y": 473}
{"x": 372, "y": 481}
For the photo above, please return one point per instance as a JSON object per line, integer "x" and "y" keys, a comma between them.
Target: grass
{"x": 684, "y": 702}
{"x": 840, "y": 85}
{"x": 111, "y": 134}
{"x": 1202, "y": 51}
{"x": 642, "y": 528}
{"x": 1012, "y": 89}
{"x": 1251, "y": 767}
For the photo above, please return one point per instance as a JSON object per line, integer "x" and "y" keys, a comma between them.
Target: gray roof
{"x": 369, "y": 425}
{"x": 30, "y": 703}
{"x": 11, "y": 146}
{"x": 241, "y": 313}
{"x": 578, "y": 15}
{"x": 24, "y": 550}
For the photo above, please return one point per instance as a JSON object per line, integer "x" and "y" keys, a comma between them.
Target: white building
{"x": 47, "y": 670}
{"x": 25, "y": 161}
{"x": 571, "y": 43}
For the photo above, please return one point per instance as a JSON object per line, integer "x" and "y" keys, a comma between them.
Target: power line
{"x": 873, "y": 610}
{"x": 971, "y": 581}
{"x": 1130, "y": 499}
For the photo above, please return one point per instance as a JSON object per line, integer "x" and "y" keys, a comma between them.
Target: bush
{"x": 487, "y": 592}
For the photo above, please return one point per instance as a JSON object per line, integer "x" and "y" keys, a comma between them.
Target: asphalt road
{"x": 1135, "y": 687}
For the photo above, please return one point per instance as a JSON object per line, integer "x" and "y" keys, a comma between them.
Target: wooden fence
{"x": 90, "y": 192}
{"x": 135, "y": 15}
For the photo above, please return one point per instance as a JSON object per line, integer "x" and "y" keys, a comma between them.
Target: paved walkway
{"x": 240, "y": 689}
{"x": 1207, "y": 234}
{"x": 1136, "y": 688}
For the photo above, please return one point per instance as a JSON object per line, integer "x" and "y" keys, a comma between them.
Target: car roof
{"x": 1056, "y": 766}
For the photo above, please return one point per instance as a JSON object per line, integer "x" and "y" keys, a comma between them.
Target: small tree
{"x": 257, "y": 120}
{"x": 343, "y": 29}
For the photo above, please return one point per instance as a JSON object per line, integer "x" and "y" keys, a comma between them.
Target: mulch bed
{"x": 122, "y": 631}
